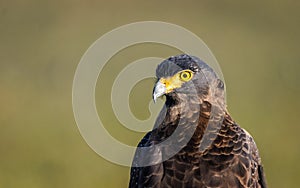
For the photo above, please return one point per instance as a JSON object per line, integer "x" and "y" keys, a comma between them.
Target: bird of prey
{"x": 194, "y": 142}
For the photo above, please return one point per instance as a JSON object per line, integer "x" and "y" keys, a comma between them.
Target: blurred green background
{"x": 41, "y": 43}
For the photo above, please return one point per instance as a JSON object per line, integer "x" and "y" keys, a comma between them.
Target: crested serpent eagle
{"x": 209, "y": 148}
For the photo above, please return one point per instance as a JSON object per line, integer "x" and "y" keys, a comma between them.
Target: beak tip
{"x": 154, "y": 99}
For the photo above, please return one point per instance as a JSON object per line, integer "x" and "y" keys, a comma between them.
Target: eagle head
{"x": 183, "y": 76}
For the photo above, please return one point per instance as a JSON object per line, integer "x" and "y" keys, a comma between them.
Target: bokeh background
{"x": 41, "y": 43}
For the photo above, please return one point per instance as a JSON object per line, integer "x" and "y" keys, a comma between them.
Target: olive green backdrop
{"x": 41, "y": 43}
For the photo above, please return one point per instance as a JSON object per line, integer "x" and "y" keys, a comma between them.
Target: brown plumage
{"x": 213, "y": 151}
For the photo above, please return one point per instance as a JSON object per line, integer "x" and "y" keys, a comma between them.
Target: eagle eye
{"x": 185, "y": 75}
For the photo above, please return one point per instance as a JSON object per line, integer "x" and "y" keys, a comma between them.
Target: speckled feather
{"x": 229, "y": 159}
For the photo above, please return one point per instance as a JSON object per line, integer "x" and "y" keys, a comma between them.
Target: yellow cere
{"x": 177, "y": 80}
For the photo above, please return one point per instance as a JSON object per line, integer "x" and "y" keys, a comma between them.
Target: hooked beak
{"x": 158, "y": 90}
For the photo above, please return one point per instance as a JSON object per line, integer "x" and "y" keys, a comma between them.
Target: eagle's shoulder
{"x": 149, "y": 176}
{"x": 233, "y": 156}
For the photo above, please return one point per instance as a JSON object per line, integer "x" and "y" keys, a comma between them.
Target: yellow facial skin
{"x": 177, "y": 80}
